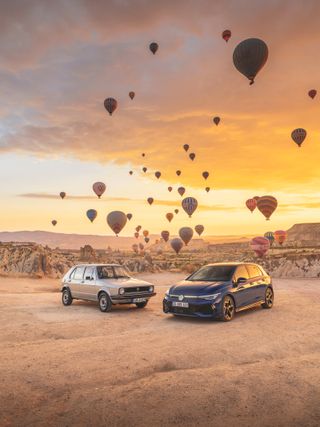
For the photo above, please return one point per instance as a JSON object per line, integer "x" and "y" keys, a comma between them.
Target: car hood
{"x": 186, "y": 287}
{"x": 126, "y": 282}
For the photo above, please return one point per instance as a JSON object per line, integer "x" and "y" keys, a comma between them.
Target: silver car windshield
{"x": 120, "y": 272}
{"x": 110, "y": 272}
{"x": 213, "y": 273}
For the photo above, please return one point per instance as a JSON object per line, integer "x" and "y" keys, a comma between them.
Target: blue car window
{"x": 241, "y": 271}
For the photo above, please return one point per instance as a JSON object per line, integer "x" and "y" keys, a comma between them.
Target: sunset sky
{"x": 61, "y": 59}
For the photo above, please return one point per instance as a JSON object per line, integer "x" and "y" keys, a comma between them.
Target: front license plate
{"x": 139, "y": 300}
{"x": 180, "y": 304}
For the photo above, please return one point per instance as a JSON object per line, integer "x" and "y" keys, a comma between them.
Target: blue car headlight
{"x": 166, "y": 294}
{"x": 211, "y": 297}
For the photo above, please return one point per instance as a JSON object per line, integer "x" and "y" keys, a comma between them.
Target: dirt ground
{"x": 67, "y": 366}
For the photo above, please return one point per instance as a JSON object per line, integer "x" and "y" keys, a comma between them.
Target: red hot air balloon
{"x": 312, "y": 93}
{"x": 199, "y": 229}
{"x": 62, "y": 194}
{"x": 267, "y": 205}
{"x": 186, "y": 234}
{"x": 157, "y": 174}
{"x": 54, "y": 222}
{"x": 153, "y": 47}
{"x": 260, "y": 245}
{"x": 110, "y": 104}
{"x": 136, "y": 235}
{"x": 176, "y": 211}
{"x": 226, "y": 35}
{"x": 280, "y": 236}
{"x": 176, "y": 245}
{"x": 186, "y": 147}
{"x": 249, "y": 57}
{"x": 150, "y": 200}
{"x": 99, "y": 188}
{"x": 216, "y": 120}
{"x": 207, "y": 189}
{"x": 132, "y": 95}
{"x": 169, "y": 216}
{"x": 205, "y": 175}
{"x": 181, "y": 191}
{"x": 251, "y": 204}
{"x": 178, "y": 173}
{"x": 165, "y": 235}
{"x": 129, "y": 216}
{"x": 192, "y": 156}
{"x": 299, "y": 135}
{"x": 189, "y": 205}
{"x": 170, "y": 189}
{"x": 116, "y": 221}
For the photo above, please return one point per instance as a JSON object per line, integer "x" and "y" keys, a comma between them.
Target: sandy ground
{"x": 65, "y": 366}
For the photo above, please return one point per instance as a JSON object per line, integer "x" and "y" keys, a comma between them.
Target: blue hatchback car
{"x": 219, "y": 291}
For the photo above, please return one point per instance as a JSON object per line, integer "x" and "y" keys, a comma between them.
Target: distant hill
{"x": 75, "y": 241}
{"x": 304, "y": 232}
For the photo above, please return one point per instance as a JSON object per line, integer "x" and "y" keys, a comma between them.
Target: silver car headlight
{"x": 121, "y": 291}
{"x": 211, "y": 297}
{"x": 151, "y": 288}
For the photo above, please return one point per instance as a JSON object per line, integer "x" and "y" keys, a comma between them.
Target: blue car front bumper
{"x": 196, "y": 307}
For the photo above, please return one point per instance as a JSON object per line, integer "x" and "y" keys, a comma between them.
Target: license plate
{"x": 139, "y": 300}
{"x": 180, "y": 304}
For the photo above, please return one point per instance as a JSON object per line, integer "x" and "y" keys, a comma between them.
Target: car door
{"x": 75, "y": 282}
{"x": 241, "y": 292}
{"x": 89, "y": 283}
{"x": 257, "y": 286}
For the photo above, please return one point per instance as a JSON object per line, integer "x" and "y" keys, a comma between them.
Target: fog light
{"x": 151, "y": 289}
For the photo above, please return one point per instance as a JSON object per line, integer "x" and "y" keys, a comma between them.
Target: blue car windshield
{"x": 213, "y": 273}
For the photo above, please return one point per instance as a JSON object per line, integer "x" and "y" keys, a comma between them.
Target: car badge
{"x": 181, "y": 297}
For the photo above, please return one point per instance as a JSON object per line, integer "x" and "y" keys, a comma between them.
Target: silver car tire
{"x": 105, "y": 303}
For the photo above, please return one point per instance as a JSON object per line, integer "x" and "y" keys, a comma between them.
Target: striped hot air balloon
{"x": 251, "y": 204}
{"x": 249, "y": 57}
{"x": 110, "y": 104}
{"x": 260, "y": 245}
{"x": 270, "y": 236}
{"x": 299, "y": 135}
{"x": 280, "y": 236}
{"x": 186, "y": 234}
{"x": 189, "y": 205}
{"x": 267, "y": 205}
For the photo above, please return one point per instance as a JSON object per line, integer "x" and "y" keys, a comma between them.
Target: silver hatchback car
{"x": 106, "y": 283}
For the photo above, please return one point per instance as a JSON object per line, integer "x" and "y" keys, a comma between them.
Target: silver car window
{"x": 105, "y": 272}
{"x": 89, "y": 273}
{"x": 78, "y": 273}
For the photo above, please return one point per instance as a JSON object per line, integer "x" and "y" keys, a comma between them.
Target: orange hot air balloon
{"x": 178, "y": 173}
{"x": 62, "y": 194}
{"x": 176, "y": 245}
{"x": 110, "y": 104}
{"x": 170, "y": 189}
{"x": 312, "y": 93}
{"x": 216, "y": 120}
{"x": 226, "y": 35}
{"x": 181, "y": 191}
{"x": 251, "y": 204}
{"x": 169, "y": 216}
{"x": 205, "y": 174}
{"x": 150, "y": 200}
{"x": 176, "y": 211}
{"x": 136, "y": 235}
{"x": 186, "y": 234}
{"x": 267, "y": 205}
{"x": 199, "y": 229}
{"x": 116, "y": 221}
{"x": 99, "y": 188}
{"x": 299, "y": 135}
{"x": 165, "y": 235}
{"x": 249, "y": 57}
{"x": 145, "y": 233}
{"x": 54, "y": 222}
{"x": 157, "y": 174}
{"x": 153, "y": 47}
{"x": 132, "y": 95}
{"x": 129, "y": 216}
{"x": 192, "y": 156}
{"x": 280, "y": 236}
{"x": 207, "y": 189}
{"x": 186, "y": 147}
{"x": 260, "y": 245}
{"x": 144, "y": 169}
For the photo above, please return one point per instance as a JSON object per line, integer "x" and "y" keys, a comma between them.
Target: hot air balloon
{"x": 136, "y": 235}
{"x": 216, "y": 120}
{"x": 141, "y": 246}
{"x": 181, "y": 191}
{"x": 207, "y": 189}
{"x": 116, "y": 221}
{"x": 280, "y": 236}
{"x": 192, "y": 156}
{"x": 312, "y": 93}
{"x": 144, "y": 169}
{"x": 199, "y": 229}
{"x": 189, "y": 205}
{"x": 169, "y": 216}
{"x": 226, "y": 35}
{"x": 146, "y": 239}
{"x": 99, "y": 188}
{"x": 186, "y": 234}
{"x": 267, "y": 205}
{"x": 170, "y": 189}
{"x": 256, "y": 198}
{"x": 129, "y": 216}
{"x": 165, "y": 235}
{"x": 132, "y": 95}
{"x": 110, "y": 104}
{"x": 176, "y": 211}
{"x": 150, "y": 200}
{"x": 92, "y": 214}
{"x": 157, "y": 174}
{"x": 176, "y": 245}
{"x": 270, "y": 236}
{"x": 153, "y": 47}
{"x": 135, "y": 248}
{"x": 145, "y": 233}
{"x": 299, "y": 135}
{"x": 251, "y": 204}
{"x": 205, "y": 174}
{"x": 186, "y": 147}
{"x": 260, "y": 245}
{"x": 130, "y": 172}
{"x": 178, "y": 173}
{"x": 249, "y": 57}
{"x": 54, "y": 222}
{"x": 138, "y": 228}
{"x": 143, "y": 154}
{"x": 62, "y": 194}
